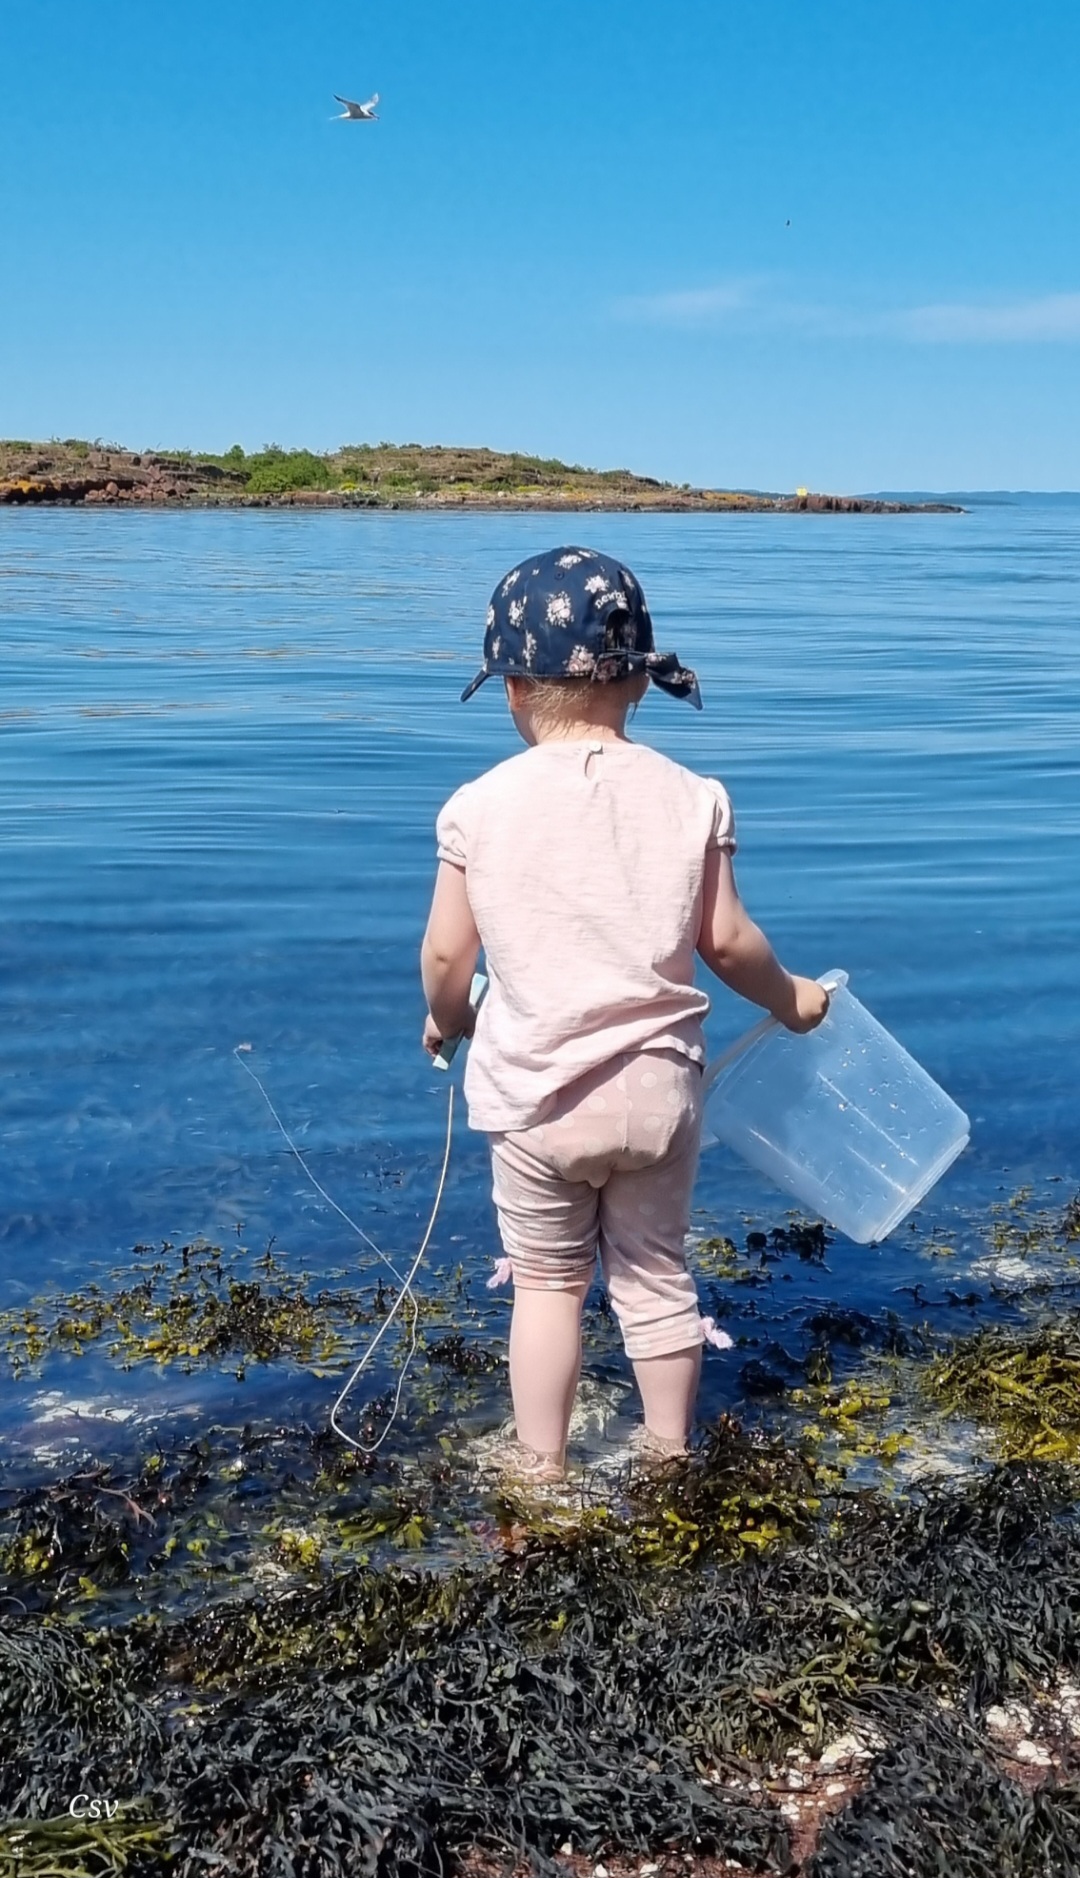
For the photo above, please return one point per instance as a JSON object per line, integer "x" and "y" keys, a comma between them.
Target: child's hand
{"x": 808, "y": 1005}
{"x": 433, "y": 1038}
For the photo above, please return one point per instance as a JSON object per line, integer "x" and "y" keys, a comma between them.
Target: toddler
{"x": 590, "y": 869}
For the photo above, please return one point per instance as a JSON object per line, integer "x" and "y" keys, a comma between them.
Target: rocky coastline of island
{"x": 76, "y": 473}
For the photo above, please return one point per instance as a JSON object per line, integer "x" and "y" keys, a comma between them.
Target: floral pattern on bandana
{"x": 581, "y": 663}
{"x": 611, "y": 665}
{"x": 576, "y": 613}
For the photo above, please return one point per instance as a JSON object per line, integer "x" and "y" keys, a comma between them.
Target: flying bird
{"x": 358, "y": 113}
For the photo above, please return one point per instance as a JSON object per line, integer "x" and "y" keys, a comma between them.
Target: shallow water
{"x": 224, "y": 741}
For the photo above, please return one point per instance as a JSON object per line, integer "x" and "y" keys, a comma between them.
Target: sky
{"x": 834, "y": 243}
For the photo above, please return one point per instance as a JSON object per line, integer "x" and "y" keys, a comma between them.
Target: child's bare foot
{"x": 656, "y": 1451}
{"x": 513, "y": 1461}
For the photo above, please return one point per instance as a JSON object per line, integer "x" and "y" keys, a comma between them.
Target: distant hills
{"x": 372, "y": 476}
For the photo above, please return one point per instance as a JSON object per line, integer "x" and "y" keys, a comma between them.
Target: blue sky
{"x": 835, "y": 243}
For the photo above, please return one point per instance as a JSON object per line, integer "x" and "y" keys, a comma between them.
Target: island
{"x": 376, "y": 476}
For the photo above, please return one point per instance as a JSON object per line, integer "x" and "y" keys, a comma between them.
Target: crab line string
{"x": 405, "y": 1290}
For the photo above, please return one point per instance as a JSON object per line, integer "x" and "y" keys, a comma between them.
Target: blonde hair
{"x": 568, "y": 700}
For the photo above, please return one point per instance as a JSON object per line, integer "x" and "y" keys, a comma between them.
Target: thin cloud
{"x": 1056, "y": 316}
{"x": 697, "y": 306}
{"x": 745, "y": 305}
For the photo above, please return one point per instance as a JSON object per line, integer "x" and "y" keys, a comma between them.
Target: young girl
{"x": 590, "y": 869}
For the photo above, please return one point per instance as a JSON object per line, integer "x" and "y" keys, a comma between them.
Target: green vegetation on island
{"x": 368, "y": 475}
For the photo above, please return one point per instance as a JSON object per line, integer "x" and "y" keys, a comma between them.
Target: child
{"x": 590, "y": 869}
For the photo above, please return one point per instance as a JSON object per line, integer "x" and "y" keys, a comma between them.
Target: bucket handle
{"x": 829, "y": 981}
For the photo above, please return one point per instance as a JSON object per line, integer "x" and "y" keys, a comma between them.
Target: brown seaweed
{"x": 580, "y": 1689}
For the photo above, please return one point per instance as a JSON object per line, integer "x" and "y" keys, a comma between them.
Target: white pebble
{"x": 1009, "y": 1718}
{"x": 840, "y": 1752}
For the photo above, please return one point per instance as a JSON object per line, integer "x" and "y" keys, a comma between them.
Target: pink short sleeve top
{"x": 583, "y": 867}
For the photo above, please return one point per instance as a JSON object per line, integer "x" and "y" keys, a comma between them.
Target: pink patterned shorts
{"x": 610, "y": 1170}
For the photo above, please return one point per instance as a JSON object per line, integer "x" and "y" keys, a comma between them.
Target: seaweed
{"x": 95, "y": 1529}
{"x": 464, "y": 1357}
{"x": 808, "y": 1238}
{"x": 191, "y": 1303}
{"x": 231, "y": 1506}
{"x": 589, "y": 1686}
{"x": 67, "y": 1847}
{"x": 1017, "y": 1229}
{"x": 1024, "y": 1384}
{"x": 282, "y": 1660}
{"x": 936, "y": 1803}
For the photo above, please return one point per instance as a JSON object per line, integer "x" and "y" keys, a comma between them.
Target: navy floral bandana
{"x": 574, "y": 613}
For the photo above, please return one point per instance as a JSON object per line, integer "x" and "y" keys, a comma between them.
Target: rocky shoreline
{"x": 377, "y": 477}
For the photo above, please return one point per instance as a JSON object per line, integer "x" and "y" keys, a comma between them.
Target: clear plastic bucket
{"x": 841, "y": 1118}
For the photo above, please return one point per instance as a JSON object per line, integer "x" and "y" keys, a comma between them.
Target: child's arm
{"x": 448, "y": 959}
{"x": 739, "y": 953}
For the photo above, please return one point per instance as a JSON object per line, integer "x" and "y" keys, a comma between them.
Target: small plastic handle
{"x": 477, "y": 993}
{"x": 829, "y": 981}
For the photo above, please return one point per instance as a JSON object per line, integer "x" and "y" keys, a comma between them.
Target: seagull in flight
{"x": 358, "y": 113}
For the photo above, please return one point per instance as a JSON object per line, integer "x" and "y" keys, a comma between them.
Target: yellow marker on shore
{"x": 802, "y": 492}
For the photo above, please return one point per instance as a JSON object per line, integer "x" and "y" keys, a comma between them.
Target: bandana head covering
{"x": 574, "y": 613}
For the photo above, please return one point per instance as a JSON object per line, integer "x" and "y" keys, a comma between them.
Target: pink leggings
{"x": 610, "y": 1169}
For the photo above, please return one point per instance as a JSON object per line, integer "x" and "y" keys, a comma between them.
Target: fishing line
{"x": 405, "y": 1284}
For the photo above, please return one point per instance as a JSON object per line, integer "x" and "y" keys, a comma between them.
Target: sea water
{"x": 224, "y": 738}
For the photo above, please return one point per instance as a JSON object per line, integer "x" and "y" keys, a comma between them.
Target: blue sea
{"x": 225, "y": 738}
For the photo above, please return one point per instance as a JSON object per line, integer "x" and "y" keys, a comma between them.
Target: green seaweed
{"x": 67, "y": 1847}
{"x": 1019, "y": 1231}
{"x": 1023, "y": 1384}
{"x": 189, "y": 1304}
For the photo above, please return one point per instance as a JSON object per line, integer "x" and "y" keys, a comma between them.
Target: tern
{"x": 358, "y": 113}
